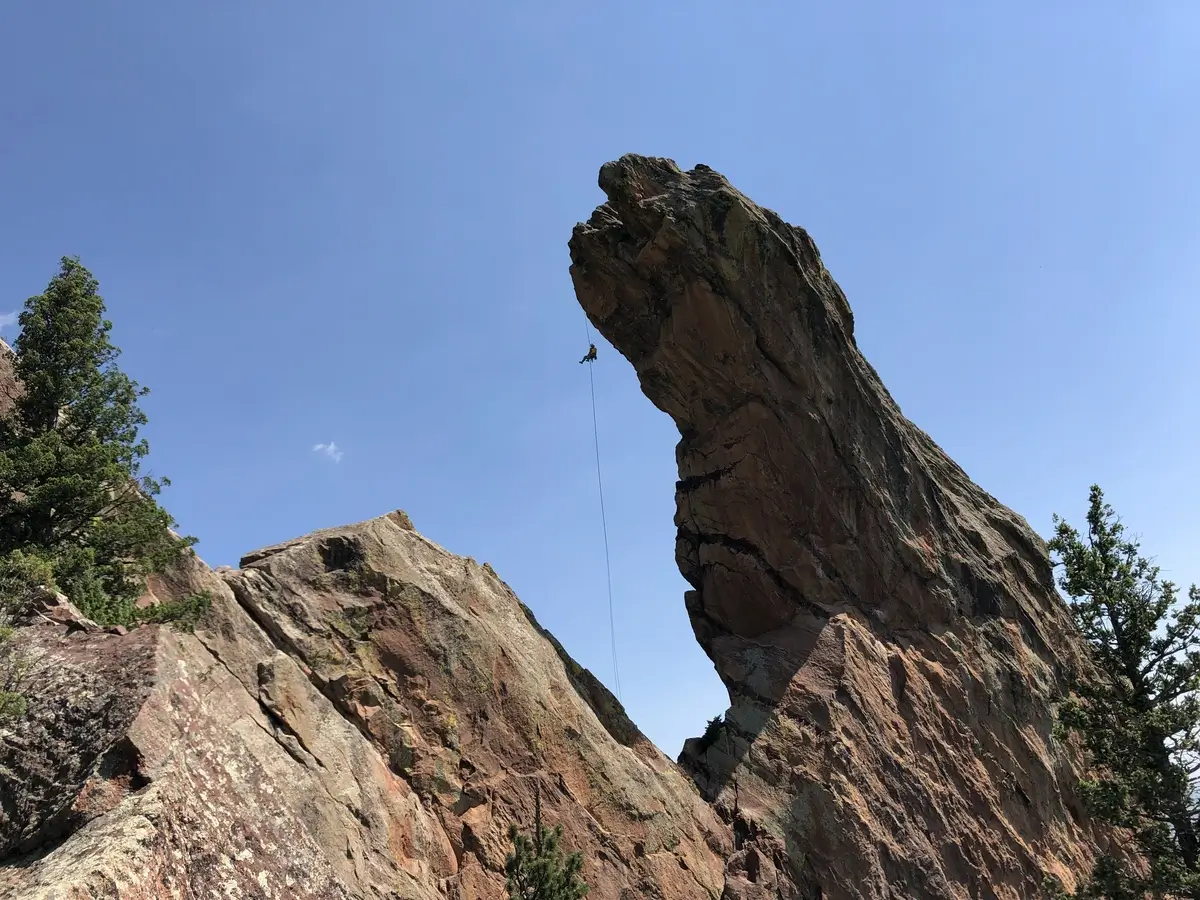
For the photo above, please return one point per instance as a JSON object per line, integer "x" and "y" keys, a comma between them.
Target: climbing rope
{"x": 612, "y": 628}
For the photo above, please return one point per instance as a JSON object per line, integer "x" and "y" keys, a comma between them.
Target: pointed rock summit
{"x": 362, "y": 714}
{"x": 889, "y": 633}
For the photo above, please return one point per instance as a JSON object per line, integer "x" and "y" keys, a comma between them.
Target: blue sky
{"x": 347, "y": 223}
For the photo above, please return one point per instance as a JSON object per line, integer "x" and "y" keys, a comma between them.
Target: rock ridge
{"x": 889, "y": 633}
{"x": 360, "y": 715}
{"x": 363, "y": 713}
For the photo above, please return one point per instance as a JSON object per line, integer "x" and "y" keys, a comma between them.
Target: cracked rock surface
{"x": 888, "y": 632}
{"x": 8, "y": 383}
{"x": 361, "y": 716}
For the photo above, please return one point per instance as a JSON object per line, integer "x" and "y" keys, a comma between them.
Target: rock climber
{"x": 591, "y": 354}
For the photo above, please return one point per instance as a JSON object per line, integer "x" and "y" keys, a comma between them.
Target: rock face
{"x": 888, "y": 632}
{"x": 8, "y": 381}
{"x": 361, "y": 715}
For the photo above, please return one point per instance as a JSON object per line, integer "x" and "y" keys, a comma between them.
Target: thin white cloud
{"x": 7, "y": 320}
{"x": 332, "y": 450}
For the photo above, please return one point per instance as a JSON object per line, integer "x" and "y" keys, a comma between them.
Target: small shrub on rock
{"x": 538, "y": 869}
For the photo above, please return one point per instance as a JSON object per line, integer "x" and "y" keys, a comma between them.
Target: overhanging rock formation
{"x": 360, "y": 717}
{"x": 362, "y": 714}
{"x": 888, "y": 632}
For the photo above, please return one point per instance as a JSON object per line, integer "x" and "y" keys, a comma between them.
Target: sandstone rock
{"x": 9, "y": 388}
{"x": 51, "y": 606}
{"x": 889, "y": 633}
{"x": 361, "y": 715}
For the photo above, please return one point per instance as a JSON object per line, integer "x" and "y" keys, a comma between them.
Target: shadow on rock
{"x": 888, "y": 632}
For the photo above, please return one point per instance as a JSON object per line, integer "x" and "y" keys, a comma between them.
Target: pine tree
{"x": 1140, "y": 719}
{"x": 70, "y": 455}
{"x": 537, "y": 869}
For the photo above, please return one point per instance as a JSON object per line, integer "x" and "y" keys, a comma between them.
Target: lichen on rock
{"x": 889, "y": 633}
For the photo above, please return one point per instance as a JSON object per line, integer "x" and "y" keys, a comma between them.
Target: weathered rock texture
{"x": 8, "y": 381}
{"x": 888, "y": 632}
{"x": 361, "y": 716}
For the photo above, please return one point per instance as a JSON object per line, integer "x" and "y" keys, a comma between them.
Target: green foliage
{"x": 20, "y": 575}
{"x": 1140, "y": 720}
{"x": 183, "y": 615}
{"x": 712, "y": 731}
{"x": 537, "y": 869}
{"x": 71, "y": 490}
{"x": 13, "y": 666}
{"x": 12, "y": 704}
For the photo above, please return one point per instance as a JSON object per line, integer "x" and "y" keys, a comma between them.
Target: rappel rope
{"x": 612, "y": 627}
